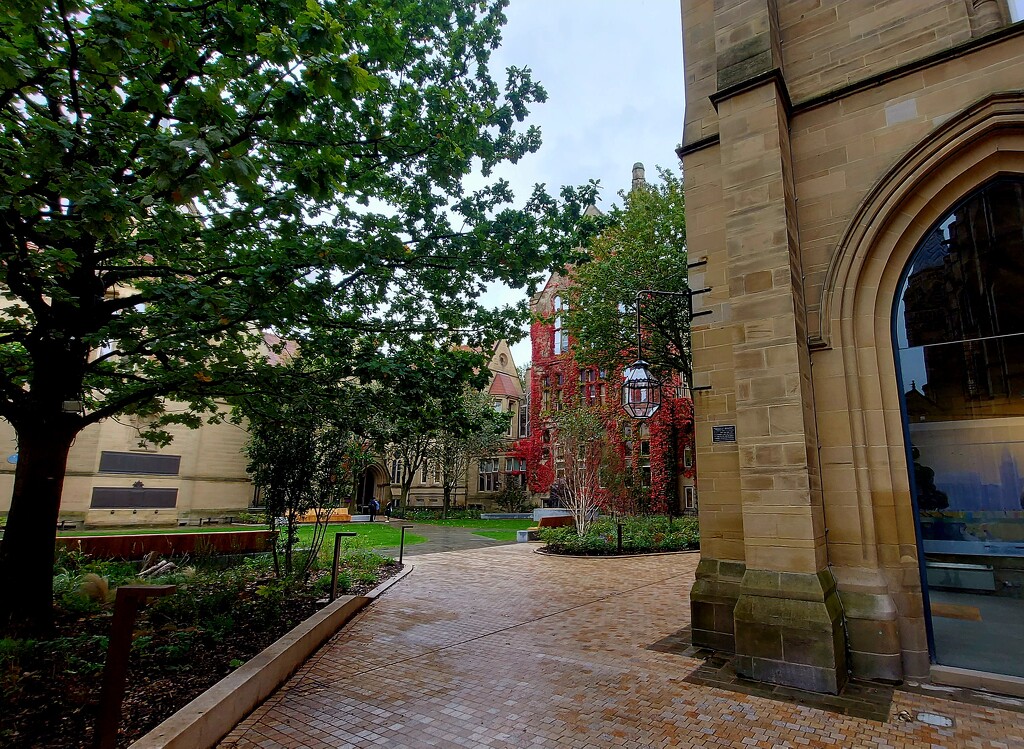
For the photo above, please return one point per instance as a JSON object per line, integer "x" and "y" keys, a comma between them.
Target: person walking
{"x": 388, "y": 509}
{"x": 374, "y": 509}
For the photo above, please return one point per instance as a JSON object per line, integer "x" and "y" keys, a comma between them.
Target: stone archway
{"x": 372, "y": 485}
{"x": 864, "y": 451}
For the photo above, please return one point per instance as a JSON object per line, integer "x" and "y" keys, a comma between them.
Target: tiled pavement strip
{"x": 502, "y": 647}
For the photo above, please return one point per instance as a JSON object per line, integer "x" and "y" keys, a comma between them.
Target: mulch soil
{"x": 54, "y": 702}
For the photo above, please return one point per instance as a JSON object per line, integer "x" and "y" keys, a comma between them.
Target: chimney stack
{"x": 638, "y": 176}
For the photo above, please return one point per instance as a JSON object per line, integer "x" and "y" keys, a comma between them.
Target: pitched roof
{"x": 504, "y": 384}
{"x": 287, "y": 349}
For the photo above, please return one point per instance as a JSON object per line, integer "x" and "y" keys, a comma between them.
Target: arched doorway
{"x": 958, "y": 328}
{"x": 372, "y": 484}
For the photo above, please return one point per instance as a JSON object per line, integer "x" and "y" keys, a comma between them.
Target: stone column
{"x": 788, "y": 618}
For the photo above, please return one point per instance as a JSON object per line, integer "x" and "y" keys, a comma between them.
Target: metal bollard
{"x": 126, "y": 606}
{"x": 401, "y": 547}
{"x": 337, "y": 558}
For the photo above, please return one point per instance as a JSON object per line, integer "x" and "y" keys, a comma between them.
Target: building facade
{"x": 486, "y": 474}
{"x": 648, "y": 464}
{"x": 855, "y": 182}
{"x": 114, "y": 479}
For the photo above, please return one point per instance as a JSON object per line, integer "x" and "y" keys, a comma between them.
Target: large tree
{"x": 481, "y": 432}
{"x": 643, "y": 247}
{"x": 176, "y": 177}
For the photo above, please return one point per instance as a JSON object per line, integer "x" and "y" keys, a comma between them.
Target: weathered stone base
{"x": 873, "y": 628}
{"x": 713, "y": 597}
{"x": 789, "y": 630}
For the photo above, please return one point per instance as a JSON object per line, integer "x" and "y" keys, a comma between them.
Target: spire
{"x": 638, "y": 176}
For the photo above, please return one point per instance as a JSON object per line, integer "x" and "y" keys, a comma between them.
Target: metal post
{"x": 126, "y": 606}
{"x": 401, "y": 547}
{"x": 639, "y": 337}
{"x": 619, "y": 534}
{"x": 337, "y": 559}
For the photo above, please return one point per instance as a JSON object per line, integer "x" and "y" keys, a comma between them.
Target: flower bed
{"x": 218, "y": 618}
{"x": 640, "y": 535}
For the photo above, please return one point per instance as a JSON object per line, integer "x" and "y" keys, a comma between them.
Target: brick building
{"x": 648, "y": 465}
{"x": 855, "y": 180}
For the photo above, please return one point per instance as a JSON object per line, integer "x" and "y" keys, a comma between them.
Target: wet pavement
{"x": 500, "y": 647}
{"x": 440, "y": 538}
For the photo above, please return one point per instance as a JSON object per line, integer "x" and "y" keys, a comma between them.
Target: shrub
{"x": 512, "y": 498}
{"x": 640, "y": 535}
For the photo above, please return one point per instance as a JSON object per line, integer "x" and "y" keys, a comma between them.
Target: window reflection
{"x": 959, "y": 328}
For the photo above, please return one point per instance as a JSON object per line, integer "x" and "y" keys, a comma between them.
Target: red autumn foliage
{"x": 557, "y": 381}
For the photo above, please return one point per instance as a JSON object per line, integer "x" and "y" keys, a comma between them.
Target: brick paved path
{"x": 501, "y": 647}
{"x": 440, "y": 538}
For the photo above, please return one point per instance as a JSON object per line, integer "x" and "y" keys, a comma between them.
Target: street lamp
{"x": 641, "y": 389}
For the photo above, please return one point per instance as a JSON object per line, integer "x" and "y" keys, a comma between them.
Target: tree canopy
{"x": 177, "y": 177}
{"x": 455, "y": 445}
{"x": 642, "y": 247}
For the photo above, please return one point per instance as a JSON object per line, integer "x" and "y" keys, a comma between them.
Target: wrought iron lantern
{"x": 641, "y": 390}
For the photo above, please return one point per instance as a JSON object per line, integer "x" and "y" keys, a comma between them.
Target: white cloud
{"x": 613, "y": 70}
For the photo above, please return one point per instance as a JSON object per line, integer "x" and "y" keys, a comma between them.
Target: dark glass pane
{"x": 117, "y": 497}
{"x": 966, "y": 279}
{"x": 978, "y": 379}
{"x": 960, "y": 334}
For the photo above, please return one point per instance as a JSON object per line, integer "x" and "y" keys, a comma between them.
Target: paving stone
{"x": 503, "y": 648}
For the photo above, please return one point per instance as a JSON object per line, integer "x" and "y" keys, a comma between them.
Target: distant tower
{"x": 638, "y": 176}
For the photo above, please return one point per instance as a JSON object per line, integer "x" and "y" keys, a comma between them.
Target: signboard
{"x": 723, "y": 433}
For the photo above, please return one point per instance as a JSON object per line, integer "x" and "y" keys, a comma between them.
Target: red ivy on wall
{"x": 670, "y": 429}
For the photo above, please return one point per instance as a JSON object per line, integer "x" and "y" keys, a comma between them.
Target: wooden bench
{"x": 553, "y": 521}
{"x": 338, "y": 515}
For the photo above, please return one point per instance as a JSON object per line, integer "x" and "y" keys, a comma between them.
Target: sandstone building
{"x": 485, "y": 475}
{"x": 114, "y": 480}
{"x": 855, "y": 180}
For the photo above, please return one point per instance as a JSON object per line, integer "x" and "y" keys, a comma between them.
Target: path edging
{"x": 542, "y": 552}
{"x": 212, "y": 715}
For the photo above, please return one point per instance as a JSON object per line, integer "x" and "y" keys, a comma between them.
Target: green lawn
{"x": 377, "y": 535}
{"x": 504, "y": 524}
{"x": 497, "y": 535}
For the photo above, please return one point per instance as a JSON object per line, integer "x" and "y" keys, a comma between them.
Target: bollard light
{"x": 338, "y": 537}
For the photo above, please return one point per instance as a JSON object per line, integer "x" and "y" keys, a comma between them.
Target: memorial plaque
{"x": 723, "y": 433}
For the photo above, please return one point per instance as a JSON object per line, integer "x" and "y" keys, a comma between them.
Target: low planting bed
{"x": 640, "y": 535}
{"x": 138, "y": 545}
{"x": 219, "y": 617}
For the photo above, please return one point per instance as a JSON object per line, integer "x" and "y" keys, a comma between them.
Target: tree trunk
{"x": 447, "y": 501}
{"x": 26, "y": 553}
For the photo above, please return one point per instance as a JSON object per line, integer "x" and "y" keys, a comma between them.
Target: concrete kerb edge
{"x": 374, "y": 594}
{"x": 545, "y": 553}
{"x": 212, "y": 715}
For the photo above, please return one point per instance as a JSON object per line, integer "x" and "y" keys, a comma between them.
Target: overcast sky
{"x": 613, "y": 70}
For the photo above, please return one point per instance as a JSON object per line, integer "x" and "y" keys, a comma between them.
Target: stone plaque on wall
{"x": 723, "y": 433}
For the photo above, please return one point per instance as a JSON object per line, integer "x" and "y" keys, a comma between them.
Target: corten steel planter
{"x": 169, "y": 544}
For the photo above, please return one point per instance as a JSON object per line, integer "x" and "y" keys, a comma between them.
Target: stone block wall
{"x": 821, "y": 140}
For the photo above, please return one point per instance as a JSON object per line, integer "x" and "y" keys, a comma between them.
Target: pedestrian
{"x": 388, "y": 509}
{"x": 374, "y": 509}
